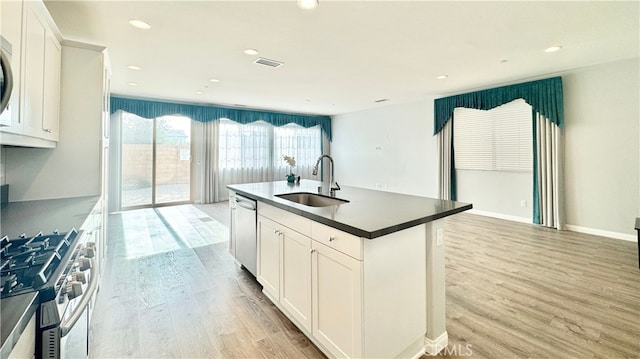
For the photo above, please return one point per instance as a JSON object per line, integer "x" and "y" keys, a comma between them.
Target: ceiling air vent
{"x": 267, "y": 62}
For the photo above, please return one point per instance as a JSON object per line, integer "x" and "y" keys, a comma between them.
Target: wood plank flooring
{"x": 513, "y": 291}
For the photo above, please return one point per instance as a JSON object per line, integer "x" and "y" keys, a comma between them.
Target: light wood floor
{"x": 513, "y": 291}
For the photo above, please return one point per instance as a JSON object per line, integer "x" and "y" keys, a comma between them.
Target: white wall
{"x": 499, "y": 193}
{"x": 602, "y": 170}
{"x": 602, "y": 179}
{"x": 390, "y": 148}
{"x": 2, "y": 165}
{"x": 71, "y": 169}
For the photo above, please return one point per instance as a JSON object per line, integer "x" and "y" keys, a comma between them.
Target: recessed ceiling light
{"x": 199, "y": 92}
{"x": 132, "y": 84}
{"x": 442, "y": 77}
{"x": 134, "y": 67}
{"x": 308, "y": 4}
{"x": 214, "y": 80}
{"x": 251, "y": 52}
{"x": 553, "y": 49}
{"x": 139, "y": 24}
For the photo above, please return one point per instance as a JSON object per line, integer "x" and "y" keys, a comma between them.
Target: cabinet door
{"x": 295, "y": 284}
{"x": 268, "y": 260}
{"x": 232, "y": 223}
{"x": 51, "y": 100}
{"x": 337, "y": 301}
{"x": 35, "y": 38}
{"x": 11, "y": 30}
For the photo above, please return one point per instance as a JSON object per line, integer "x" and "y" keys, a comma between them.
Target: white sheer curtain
{"x": 234, "y": 153}
{"x": 445, "y": 141}
{"x": 210, "y": 161}
{"x": 244, "y": 154}
{"x": 549, "y": 149}
{"x": 304, "y": 144}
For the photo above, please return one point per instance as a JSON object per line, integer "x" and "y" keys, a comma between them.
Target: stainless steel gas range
{"x": 62, "y": 268}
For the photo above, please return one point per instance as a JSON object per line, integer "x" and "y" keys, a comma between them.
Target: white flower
{"x": 291, "y": 161}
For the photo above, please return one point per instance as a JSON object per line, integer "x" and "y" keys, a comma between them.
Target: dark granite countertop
{"x": 31, "y": 217}
{"x": 16, "y": 312}
{"x": 369, "y": 213}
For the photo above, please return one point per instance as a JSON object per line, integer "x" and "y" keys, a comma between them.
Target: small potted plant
{"x": 291, "y": 161}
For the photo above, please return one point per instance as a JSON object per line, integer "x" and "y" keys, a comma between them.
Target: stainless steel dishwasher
{"x": 245, "y": 231}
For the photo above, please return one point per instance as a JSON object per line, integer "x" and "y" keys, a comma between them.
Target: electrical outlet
{"x": 439, "y": 239}
{"x": 523, "y": 203}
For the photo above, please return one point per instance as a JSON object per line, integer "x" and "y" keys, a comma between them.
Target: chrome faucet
{"x": 332, "y": 189}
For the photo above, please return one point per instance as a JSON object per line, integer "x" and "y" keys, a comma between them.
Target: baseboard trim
{"x": 434, "y": 346}
{"x": 602, "y": 233}
{"x": 569, "y": 227}
{"x": 500, "y": 216}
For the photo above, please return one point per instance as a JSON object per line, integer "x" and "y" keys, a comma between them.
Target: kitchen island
{"x": 364, "y": 278}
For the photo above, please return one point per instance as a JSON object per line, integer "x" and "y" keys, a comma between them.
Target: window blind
{"x": 499, "y": 139}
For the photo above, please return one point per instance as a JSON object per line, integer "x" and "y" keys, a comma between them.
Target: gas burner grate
{"x": 28, "y": 264}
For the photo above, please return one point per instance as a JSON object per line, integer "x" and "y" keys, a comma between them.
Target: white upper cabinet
{"x": 37, "y": 76}
{"x": 33, "y": 79}
{"x": 51, "y": 88}
{"x": 11, "y": 30}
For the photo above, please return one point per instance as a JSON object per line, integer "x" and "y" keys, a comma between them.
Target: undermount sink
{"x": 312, "y": 199}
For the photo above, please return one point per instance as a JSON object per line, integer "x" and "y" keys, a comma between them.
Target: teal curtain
{"x": 536, "y": 185}
{"x": 204, "y": 113}
{"x": 544, "y": 96}
{"x": 453, "y": 188}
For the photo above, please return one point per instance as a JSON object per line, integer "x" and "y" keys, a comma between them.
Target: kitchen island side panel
{"x": 395, "y": 294}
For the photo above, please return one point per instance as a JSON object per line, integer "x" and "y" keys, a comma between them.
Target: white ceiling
{"x": 344, "y": 55}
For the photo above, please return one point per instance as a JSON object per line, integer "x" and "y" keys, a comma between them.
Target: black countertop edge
{"x": 16, "y": 313}
{"x": 349, "y": 229}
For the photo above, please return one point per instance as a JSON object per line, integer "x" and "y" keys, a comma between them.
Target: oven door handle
{"x": 66, "y": 327}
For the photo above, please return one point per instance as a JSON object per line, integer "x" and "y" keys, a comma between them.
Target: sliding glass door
{"x": 155, "y": 161}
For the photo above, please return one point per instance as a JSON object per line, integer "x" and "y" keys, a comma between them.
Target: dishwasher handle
{"x": 246, "y": 203}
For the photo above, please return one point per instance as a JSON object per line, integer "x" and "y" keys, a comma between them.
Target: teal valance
{"x": 544, "y": 96}
{"x": 204, "y": 113}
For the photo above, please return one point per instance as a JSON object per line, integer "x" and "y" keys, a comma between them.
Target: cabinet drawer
{"x": 297, "y": 223}
{"x": 337, "y": 239}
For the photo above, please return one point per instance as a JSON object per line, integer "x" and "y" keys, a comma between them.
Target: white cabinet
{"x": 353, "y": 297}
{"x": 317, "y": 286}
{"x": 25, "y": 348}
{"x": 295, "y": 283}
{"x": 33, "y": 75}
{"x": 94, "y": 227}
{"x": 51, "y": 88}
{"x": 36, "y": 62}
{"x": 268, "y": 260}
{"x": 284, "y": 269}
{"x": 232, "y": 223}
{"x": 11, "y": 30}
{"x": 337, "y": 301}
